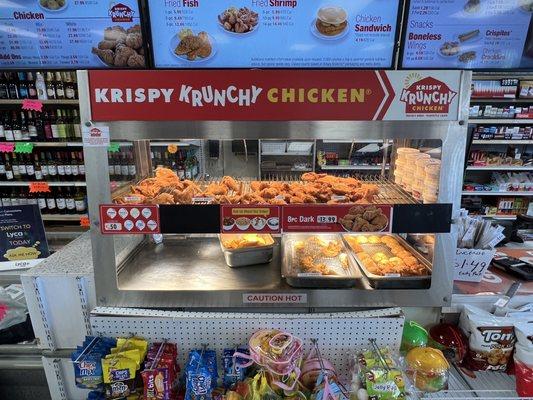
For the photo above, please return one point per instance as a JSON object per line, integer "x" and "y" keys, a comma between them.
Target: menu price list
{"x": 273, "y": 33}
{"x": 75, "y": 34}
{"x": 468, "y": 34}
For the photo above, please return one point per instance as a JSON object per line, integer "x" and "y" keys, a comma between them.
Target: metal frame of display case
{"x": 109, "y": 264}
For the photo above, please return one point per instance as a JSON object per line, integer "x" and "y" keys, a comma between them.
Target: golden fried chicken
{"x": 230, "y": 183}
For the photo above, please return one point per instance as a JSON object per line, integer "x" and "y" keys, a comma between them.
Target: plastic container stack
{"x": 431, "y": 182}
{"x": 402, "y": 169}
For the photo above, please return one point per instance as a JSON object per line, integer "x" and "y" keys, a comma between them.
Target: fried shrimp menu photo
{"x": 74, "y": 33}
{"x": 273, "y": 33}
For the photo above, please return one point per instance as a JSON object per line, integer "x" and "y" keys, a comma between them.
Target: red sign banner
{"x": 273, "y": 95}
{"x": 129, "y": 219}
{"x": 250, "y": 218}
{"x": 336, "y": 218}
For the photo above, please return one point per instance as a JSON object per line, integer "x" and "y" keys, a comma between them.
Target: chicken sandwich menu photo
{"x": 469, "y": 34}
{"x": 273, "y": 33}
{"x": 70, "y": 34}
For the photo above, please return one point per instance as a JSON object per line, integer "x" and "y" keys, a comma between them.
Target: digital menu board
{"x": 273, "y": 33}
{"x": 469, "y": 34}
{"x": 70, "y": 34}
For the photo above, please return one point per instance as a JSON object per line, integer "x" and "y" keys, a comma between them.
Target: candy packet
{"x": 232, "y": 366}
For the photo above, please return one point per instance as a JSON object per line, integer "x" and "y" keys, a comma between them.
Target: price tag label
{"x": 39, "y": 187}
{"x": 113, "y": 147}
{"x": 326, "y": 219}
{"x": 84, "y": 221}
{"x": 471, "y": 264}
{"x": 24, "y": 147}
{"x": 32, "y": 105}
{"x": 113, "y": 226}
{"x": 7, "y": 147}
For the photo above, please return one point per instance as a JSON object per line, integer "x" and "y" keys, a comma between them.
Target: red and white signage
{"x": 273, "y": 95}
{"x": 129, "y": 219}
{"x": 250, "y": 218}
{"x": 336, "y": 218}
{"x": 95, "y": 136}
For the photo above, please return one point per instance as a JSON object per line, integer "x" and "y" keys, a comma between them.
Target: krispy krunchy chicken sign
{"x": 273, "y": 95}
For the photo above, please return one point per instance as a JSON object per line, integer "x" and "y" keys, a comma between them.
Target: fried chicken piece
{"x": 346, "y": 223}
{"x": 280, "y": 186}
{"x": 216, "y": 189}
{"x": 311, "y": 176}
{"x": 268, "y": 193}
{"x": 164, "y": 198}
{"x": 370, "y": 214}
{"x": 206, "y": 48}
{"x": 341, "y": 188}
{"x": 296, "y": 200}
{"x": 356, "y": 210}
{"x": 230, "y": 183}
{"x": 380, "y": 221}
{"x": 107, "y": 55}
{"x": 257, "y": 186}
{"x": 277, "y": 202}
{"x": 165, "y": 177}
{"x": 333, "y": 249}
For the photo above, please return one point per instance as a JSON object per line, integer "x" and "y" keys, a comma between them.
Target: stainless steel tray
{"x": 296, "y": 278}
{"x": 392, "y": 282}
{"x": 248, "y": 255}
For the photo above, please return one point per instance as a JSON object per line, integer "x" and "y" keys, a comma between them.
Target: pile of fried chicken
{"x": 318, "y": 255}
{"x": 167, "y": 188}
{"x": 402, "y": 261}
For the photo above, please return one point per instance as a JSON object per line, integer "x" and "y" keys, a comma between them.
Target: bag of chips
{"x": 201, "y": 375}
{"x": 491, "y": 339}
{"x": 234, "y": 369}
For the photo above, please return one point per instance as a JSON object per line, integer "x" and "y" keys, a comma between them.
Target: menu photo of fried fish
{"x": 188, "y": 46}
{"x": 472, "y": 6}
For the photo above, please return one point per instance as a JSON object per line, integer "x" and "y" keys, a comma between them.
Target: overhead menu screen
{"x": 470, "y": 34}
{"x": 273, "y": 33}
{"x": 70, "y": 34}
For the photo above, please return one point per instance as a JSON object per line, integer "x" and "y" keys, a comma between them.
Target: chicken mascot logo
{"x": 120, "y": 12}
{"x": 426, "y": 95}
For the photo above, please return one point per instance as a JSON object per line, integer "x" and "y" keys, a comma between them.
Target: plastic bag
{"x": 12, "y": 312}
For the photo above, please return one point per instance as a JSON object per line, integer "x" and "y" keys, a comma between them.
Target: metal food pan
{"x": 248, "y": 255}
{"x": 392, "y": 282}
{"x": 294, "y": 277}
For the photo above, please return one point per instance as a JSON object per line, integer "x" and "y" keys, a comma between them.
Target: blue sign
{"x": 273, "y": 33}
{"x": 70, "y": 34}
{"x": 469, "y": 34}
{"x": 22, "y": 237}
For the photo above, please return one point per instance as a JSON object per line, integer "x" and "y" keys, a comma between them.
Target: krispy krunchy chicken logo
{"x": 426, "y": 95}
{"x": 120, "y": 12}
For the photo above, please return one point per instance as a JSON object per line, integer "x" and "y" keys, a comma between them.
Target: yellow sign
{"x": 22, "y": 253}
{"x": 250, "y": 211}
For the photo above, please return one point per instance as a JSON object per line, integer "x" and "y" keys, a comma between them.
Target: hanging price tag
{"x": 113, "y": 147}
{"x": 32, "y": 105}
{"x": 7, "y": 147}
{"x": 39, "y": 187}
{"x": 172, "y": 148}
{"x": 24, "y": 147}
{"x": 84, "y": 221}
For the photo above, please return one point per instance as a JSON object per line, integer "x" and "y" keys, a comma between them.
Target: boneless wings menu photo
{"x": 273, "y": 33}
{"x": 71, "y": 34}
{"x": 471, "y": 34}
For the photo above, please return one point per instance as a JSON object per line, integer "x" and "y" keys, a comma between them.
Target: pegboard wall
{"x": 339, "y": 334}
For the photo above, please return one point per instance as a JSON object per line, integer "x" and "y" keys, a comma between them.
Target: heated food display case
{"x": 226, "y": 235}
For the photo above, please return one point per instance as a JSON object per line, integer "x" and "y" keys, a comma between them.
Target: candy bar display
{"x": 502, "y": 132}
{"x": 503, "y": 182}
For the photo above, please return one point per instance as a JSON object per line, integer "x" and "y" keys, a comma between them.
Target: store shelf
{"x": 26, "y": 183}
{"x": 476, "y": 100}
{"x": 53, "y": 144}
{"x": 479, "y": 141}
{"x": 501, "y": 217}
{"x": 303, "y": 153}
{"x": 45, "y": 102}
{"x": 271, "y": 170}
{"x": 500, "y": 121}
{"x": 500, "y": 168}
{"x": 353, "y": 141}
{"x": 491, "y": 193}
{"x": 352, "y": 167}
{"x": 62, "y": 217}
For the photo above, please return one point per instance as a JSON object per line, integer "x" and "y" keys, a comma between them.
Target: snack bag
{"x": 119, "y": 376}
{"x": 385, "y": 385}
{"x": 156, "y": 384}
{"x": 124, "y": 344}
{"x": 234, "y": 371}
{"x": 201, "y": 375}
{"x": 491, "y": 339}
{"x": 523, "y": 359}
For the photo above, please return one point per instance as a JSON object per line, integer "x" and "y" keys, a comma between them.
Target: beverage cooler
{"x": 227, "y": 236}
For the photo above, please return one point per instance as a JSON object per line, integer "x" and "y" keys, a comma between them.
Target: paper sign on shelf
{"x": 7, "y": 147}
{"x": 39, "y": 187}
{"x": 250, "y": 218}
{"x": 32, "y": 105}
{"x": 471, "y": 264}
{"x": 113, "y": 147}
{"x": 24, "y": 147}
{"x": 84, "y": 221}
{"x": 336, "y": 218}
{"x": 129, "y": 219}
{"x": 95, "y": 136}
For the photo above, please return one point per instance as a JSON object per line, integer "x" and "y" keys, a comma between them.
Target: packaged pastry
{"x": 427, "y": 368}
{"x": 491, "y": 339}
{"x": 523, "y": 358}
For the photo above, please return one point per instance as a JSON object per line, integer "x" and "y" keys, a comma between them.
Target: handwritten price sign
{"x": 39, "y": 187}
{"x": 471, "y": 264}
